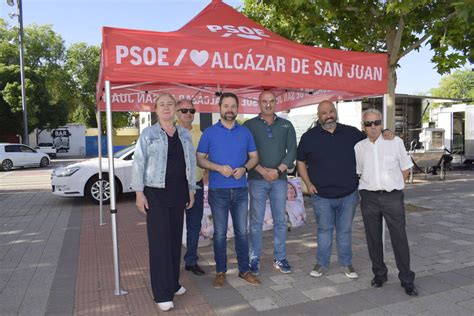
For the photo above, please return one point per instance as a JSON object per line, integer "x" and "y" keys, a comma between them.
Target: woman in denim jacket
{"x": 164, "y": 179}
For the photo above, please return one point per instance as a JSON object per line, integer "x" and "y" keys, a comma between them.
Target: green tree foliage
{"x": 43, "y": 109}
{"x": 83, "y": 63}
{"x": 393, "y": 27}
{"x": 60, "y": 82}
{"x": 458, "y": 85}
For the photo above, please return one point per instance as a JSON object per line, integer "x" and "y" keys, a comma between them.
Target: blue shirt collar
{"x": 236, "y": 124}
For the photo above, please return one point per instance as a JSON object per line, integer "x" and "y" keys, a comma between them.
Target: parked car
{"x": 47, "y": 148}
{"x": 18, "y": 155}
{"x": 82, "y": 178}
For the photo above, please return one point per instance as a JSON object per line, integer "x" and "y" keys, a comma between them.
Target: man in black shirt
{"x": 326, "y": 163}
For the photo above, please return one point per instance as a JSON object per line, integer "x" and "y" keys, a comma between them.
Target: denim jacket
{"x": 151, "y": 154}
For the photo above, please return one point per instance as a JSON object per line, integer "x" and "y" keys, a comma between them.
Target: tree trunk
{"x": 391, "y": 83}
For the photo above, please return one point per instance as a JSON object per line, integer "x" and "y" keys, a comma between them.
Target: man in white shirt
{"x": 383, "y": 166}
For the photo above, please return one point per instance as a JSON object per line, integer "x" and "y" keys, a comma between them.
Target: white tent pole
{"x": 113, "y": 209}
{"x": 384, "y": 111}
{"x": 99, "y": 148}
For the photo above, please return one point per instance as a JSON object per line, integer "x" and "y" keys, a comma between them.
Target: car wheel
{"x": 93, "y": 189}
{"x": 44, "y": 162}
{"x": 7, "y": 165}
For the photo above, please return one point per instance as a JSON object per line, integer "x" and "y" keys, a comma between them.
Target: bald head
{"x": 325, "y": 106}
{"x": 267, "y": 103}
{"x": 327, "y": 115}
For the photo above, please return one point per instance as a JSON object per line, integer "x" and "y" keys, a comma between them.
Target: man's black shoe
{"x": 378, "y": 282}
{"x": 410, "y": 289}
{"x": 195, "y": 269}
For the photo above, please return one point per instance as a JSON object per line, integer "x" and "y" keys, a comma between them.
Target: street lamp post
{"x": 19, "y": 14}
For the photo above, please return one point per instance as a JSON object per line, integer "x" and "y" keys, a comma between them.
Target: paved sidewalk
{"x": 33, "y": 227}
{"x": 56, "y": 259}
{"x": 95, "y": 279}
{"x": 440, "y": 227}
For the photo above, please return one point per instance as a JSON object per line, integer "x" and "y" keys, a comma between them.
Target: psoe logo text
{"x": 241, "y": 31}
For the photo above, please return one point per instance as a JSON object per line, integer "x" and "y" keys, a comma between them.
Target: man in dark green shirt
{"x": 275, "y": 139}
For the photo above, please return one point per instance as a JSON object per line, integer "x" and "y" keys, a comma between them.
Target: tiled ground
{"x": 56, "y": 259}
{"x": 440, "y": 226}
{"x": 32, "y": 230}
{"x": 95, "y": 287}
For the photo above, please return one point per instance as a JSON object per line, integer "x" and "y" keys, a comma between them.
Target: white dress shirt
{"x": 380, "y": 164}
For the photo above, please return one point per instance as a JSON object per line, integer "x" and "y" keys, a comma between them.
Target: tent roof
{"x": 223, "y": 50}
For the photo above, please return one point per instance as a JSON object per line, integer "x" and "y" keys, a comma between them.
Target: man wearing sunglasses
{"x": 275, "y": 139}
{"x": 185, "y": 117}
{"x": 384, "y": 166}
{"x": 326, "y": 163}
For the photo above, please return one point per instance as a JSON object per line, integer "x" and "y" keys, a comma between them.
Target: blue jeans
{"x": 193, "y": 227}
{"x": 335, "y": 213}
{"x": 259, "y": 191}
{"x": 221, "y": 202}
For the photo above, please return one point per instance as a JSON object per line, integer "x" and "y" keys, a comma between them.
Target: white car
{"x": 18, "y": 155}
{"x": 47, "y": 148}
{"x": 82, "y": 178}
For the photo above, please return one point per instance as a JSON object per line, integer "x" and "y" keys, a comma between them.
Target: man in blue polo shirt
{"x": 326, "y": 163}
{"x": 228, "y": 151}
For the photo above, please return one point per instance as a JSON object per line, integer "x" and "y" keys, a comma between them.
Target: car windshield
{"x": 123, "y": 151}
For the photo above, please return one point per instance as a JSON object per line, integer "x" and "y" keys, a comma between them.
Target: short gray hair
{"x": 371, "y": 110}
{"x": 184, "y": 101}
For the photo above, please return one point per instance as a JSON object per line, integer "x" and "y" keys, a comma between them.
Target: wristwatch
{"x": 246, "y": 170}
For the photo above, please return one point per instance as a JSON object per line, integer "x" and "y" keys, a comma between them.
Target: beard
{"x": 329, "y": 123}
{"x": 229, "y": 116}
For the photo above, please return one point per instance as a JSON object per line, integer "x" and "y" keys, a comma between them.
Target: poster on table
{"x": 295, "y": 213}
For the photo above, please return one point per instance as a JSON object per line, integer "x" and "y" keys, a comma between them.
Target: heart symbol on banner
{"x": 199, "y": 57}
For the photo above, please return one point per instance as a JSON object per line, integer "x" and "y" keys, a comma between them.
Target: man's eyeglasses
{"x": 369, "y": 123}
{"x": 185, "y": 111}
{"x": 269, "y": 132}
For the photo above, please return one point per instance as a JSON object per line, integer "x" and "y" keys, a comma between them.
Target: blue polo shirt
{"x": 226, "y": 147}
{"x": 331, "y": 159}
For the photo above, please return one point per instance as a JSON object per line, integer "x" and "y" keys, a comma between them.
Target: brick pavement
{"x": 41, "y": 249}
{"x": 440, "y": 227}
{"x": 95, "y": 281}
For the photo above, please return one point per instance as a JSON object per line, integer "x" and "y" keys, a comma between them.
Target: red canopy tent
{"x": 221, "y": 50}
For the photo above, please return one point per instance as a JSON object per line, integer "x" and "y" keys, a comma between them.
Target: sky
{"x": 81, "y": 21}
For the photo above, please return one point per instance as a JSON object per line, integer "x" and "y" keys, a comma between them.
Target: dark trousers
{"x": 165, "y": 230}
{"x": 193, "y": 227}
{"x": 389, "y": 205}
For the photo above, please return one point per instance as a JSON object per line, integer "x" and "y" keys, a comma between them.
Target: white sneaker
{"x": 317, "y": 271}
{"x": 166, "y": 306}
{"x": 349, "y": 272}
{"x": 181, "y": 291}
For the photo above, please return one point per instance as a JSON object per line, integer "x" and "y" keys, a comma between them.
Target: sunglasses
{"x": 185, "y": 111}
{"x": 369, "y": 123}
